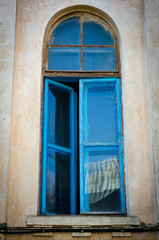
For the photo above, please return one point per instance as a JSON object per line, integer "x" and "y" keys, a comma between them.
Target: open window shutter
{"x": 58, "y": 168}
{"x": 101, "y": 157}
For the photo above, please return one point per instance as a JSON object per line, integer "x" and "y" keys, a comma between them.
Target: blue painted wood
{"x": 119, "y": 113}
{"x": 47, "y": 145}
{"x": 84, "y": 200}
{"x": 74, "y": 173}
{"x": 85, "y": 154}
{"x": 41, "y": 182}
{"x": 81, "y": 132}
{"x": 56, "y": 147}
{"x": 97, "y": 146}
{"x": 86, "y": 180}
{"x": 63, "y": 87}
{"x": 44, "y": 160}
{"x": 49, "y": 214}
{"x": 94, "y": 81}
{"x": 103, "y": 213}
{"x": 85, "y": 114}
{"x": 72, "y": 164}
{"x": 102, "y": 144}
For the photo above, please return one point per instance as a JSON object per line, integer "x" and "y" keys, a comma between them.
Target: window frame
{"x": 93, "y": 146}
{"x": 46, "y": 145}
{"x": 87, "y": 74}
{"x": 98, "y": 18}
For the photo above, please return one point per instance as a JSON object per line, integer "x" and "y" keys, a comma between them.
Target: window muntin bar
{"x": 83, "y": 27}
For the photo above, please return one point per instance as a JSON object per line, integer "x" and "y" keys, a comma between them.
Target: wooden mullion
{"x": 81, "y": 34}
{"x": 67, "y": 45}
{"x": 50, "y": 73}
{"x": 101, "y": 46}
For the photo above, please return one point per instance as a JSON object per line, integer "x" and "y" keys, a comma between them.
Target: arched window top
{"x": 72, "y": 30}
{"x": 67, "y": 32}
{"x": 95, "y": 33}
{"x": 82, "y": 42}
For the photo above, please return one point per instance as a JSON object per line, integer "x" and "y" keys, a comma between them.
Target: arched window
{"x": 82, "y": 159}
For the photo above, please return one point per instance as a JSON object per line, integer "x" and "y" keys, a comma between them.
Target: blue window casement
{"x": 101, "y": 157}
{"x": 99, "y": 165}
{"x": 82, "y": 150}
{"x": 58, "y": 168}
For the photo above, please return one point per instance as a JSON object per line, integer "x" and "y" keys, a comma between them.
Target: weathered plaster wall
{"x": 7, "y": 40}
{"x": 94, "y": 236}
{"x": 152, "y": 34}
{"x": 32, "y": 19}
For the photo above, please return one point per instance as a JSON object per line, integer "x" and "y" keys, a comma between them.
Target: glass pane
{"x": 64, "y": 58}
{"x": 58, "y": 183}
{"x": 94, "y": 33}
{"x": 67, "y": 32}
{"x": 101, "y": 113}
{"x": 102, "y": 183}
{"x": 58, "y": 122}
{"x": 99, "y": 59}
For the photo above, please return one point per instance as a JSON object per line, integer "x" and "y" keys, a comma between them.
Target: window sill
{"x": 81, "y": 221}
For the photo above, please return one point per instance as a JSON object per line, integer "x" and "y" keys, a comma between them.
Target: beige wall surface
{"x": 7, "y": 40}
{"x": 152, "y": 34}
{"x": 94, "y": 236}
{"x": 32, "y": 20}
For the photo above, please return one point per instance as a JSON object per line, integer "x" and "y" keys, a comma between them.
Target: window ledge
{"x": 88, "y": 221}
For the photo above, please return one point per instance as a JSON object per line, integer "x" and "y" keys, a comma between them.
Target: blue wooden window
{"x": 101, "y": 163}
{"x": 100, "y": 147}
{"x": 82, "y": 158}
{"x": 58, "y": 175}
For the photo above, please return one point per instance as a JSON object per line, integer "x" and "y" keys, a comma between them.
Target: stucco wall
{"x": 152, "y": 36}
{"x": 94, "y": 236}
{"x": 7, "y": 40}
{"x": 32, "y": 19}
